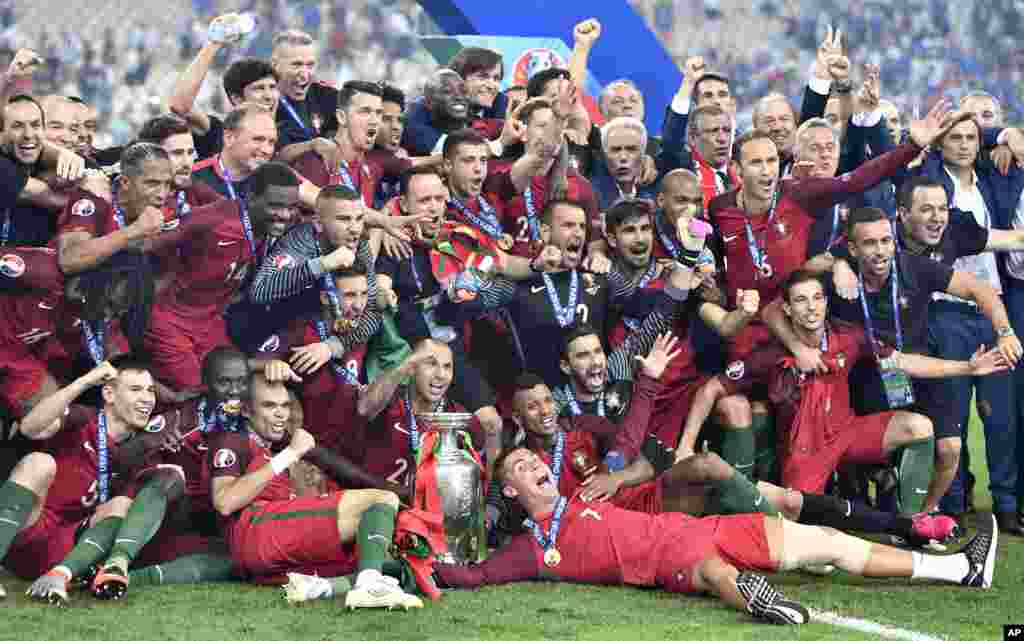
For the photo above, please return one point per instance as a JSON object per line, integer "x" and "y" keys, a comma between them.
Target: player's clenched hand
{"x": 748, "y": 301}
{"x": 587, "y": 32}
{"x": 301, "y": 442}
{"x": 844, "y": 280}
{"x": 276, "y": 371}
{"x": 148, "y": 224}
{"x": 25, "y": 63}
{"x": 309, "y": 358}
{"x": 549, "y": 259}
{"x": 102, "y": 373}
{"x": 340, "y": 258}
{"x": 664, "y": 350}
{"x": 599, "y": 487}
{"x": 597, "y": 263}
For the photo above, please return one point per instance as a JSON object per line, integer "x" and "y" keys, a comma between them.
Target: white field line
{"x": 870, "y": 627}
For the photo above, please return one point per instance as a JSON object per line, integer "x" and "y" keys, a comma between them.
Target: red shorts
{"x": 859, "y": 441}
{"x": 38, "y": 548}
{"x": 298, "y": 535}
{"x": 178, "y": 344}
{"x": 645, "y": 497}
{"x": 21, "y": 375}
{"x": 739, "y": 539}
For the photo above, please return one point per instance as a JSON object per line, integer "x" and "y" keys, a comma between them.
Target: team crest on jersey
{"x": 614, "y": 402}
{"x": 84, "y": 208}
{"x": 156, "y": 425}
{"x": 224, "y": 458}
{"x": 12, "y": 265}
{"x": 735, "y": 370}
{"x": 271, "y": 344}
{"x": 283, "y": 261}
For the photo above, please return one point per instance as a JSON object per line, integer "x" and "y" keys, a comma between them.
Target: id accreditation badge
{"x": 899, "y": 392}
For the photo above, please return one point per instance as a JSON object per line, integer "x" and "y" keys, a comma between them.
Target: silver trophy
{"x": 460, "y": 486}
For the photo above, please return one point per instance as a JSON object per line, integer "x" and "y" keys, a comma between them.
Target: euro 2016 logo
{"x": 533, "y": 61}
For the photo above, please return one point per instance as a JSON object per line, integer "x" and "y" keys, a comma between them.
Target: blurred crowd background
{"x": 926, "y": 48}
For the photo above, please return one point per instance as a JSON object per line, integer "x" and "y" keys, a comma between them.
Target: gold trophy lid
{"x": 445, "y": 420}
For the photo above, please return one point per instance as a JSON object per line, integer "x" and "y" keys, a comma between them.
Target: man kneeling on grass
{"x": 569, "y": 539}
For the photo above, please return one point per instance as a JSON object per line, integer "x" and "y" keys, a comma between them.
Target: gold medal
{"x": 506, "y": 242}
{"x": 231, "y": 407}
{"x": 552, "y": 557}
{"x": 343, "y": 325}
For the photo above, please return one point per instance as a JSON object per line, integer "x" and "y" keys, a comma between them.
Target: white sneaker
{"x": 374, "y": 590}
{"x": 823, "y": 569}
{"x": 303, "y": 587}
{"x": 3, "y": 592}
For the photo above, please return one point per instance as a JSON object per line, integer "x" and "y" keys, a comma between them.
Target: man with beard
{"x": 90, "y": 229}
{"x": 270, "y": 533}
{"x": 30, "y": 218}
{"x": 623, "y": 141}
{"x": 597, "y": 542}
{"x": 540, "y": 175}
{"x": 710, "y": 136}
{"x": 762, "y": 233}
{"x": 220, "y": 243}
{"x": 75, "y": 476}
{"x": 174, "y": 135}
{"x": 389, "y": 139}
{"x": 536, "y": 308}
{"x": 911, "y": 281}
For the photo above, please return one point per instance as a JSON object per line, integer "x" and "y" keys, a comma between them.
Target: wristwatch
{"x": 1006, "y": 331}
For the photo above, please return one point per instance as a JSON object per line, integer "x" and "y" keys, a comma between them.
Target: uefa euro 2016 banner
{"x": 536, "y": 34}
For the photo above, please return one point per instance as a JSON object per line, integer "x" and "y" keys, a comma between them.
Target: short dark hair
{"x": 134, "y": 270}
{"x": 357, "y": 268}
{"x": 352, "y": 87}
{"x": 216, "y": 356}
{"x": 800, "y": 276}
{"x": 159, "y": 128}
{"x": 473, "y": 59}
{"x": 535, "y": 87}
{"x": 525, "y": 382}
{"x": 337, "y": 192}
{"x": 499, "y": 463}
{"x": 136, "y": 154}
{"x": 905, "y": 197}
{"x": 271, "y": 174}
{"x": 747, "y": 137}
{"x": 136, "y": 361}
{"x": 22, "y": 97}
{"x": 464, "y": 136}
{"x": 549, "y": 208}
{"x": 243, "y": 73}
{"x": 710, "y": 75}
{"x": 576, "y": 331}
{"x": 863, "y": 215}
{"x": 407, "y": 176}
{"x": 392, "y": 94}
{"x": 623, "y": 210}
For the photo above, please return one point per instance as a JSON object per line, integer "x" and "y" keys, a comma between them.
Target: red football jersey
{"x": 365, "y": 174}
{"x": 86, "y": 212}
{"x": 300, "y": 332}
{"x": 235, "y": 454}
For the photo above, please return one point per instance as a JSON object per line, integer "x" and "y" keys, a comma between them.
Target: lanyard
{"x": 547, "y": 541}
{"x": 339, "y": 370}
{"x": 8, "y": 227}
{"x": 295, "y": 116}
{"x": 182, "y": 207}
{"x": 835, "y": 226}
{"x": 868, "y": 323}
{"x": 243, "y": 206}
{"x": 759, "y": 250}
{"x": 667, "y": 239}
{"x": 414, "y": 429}
{"x": 416, "y": 273}
{"x": 564, "y": 315}
{"x": 95, "y": 341}
{"x": 486, "y": 221}
{"x": 574, "y": 406}
{"x": 103, "y": 457}
{"x": 531, "y": 213}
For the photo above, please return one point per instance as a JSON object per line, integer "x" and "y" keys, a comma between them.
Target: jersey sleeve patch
{"x": 224, "y": 458}
{"x": 12, "y": 265}
{"x": 84, "y": 208}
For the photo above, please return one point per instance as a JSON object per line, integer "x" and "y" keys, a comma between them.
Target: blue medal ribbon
{"x": 759, "y": 251}
{"x": 295, "y": 116}
{"x": 869, "y": 325}
{"x": 564, "y": 315}
{"x": 548, "y": 541}
{"x": 574, "y": 406}
{"x": 339, "y": 370}
{"x": 103, "y": 457}
{"x": 8, "y": 227}
{"x": 181, "y": 206}
{"x": 414, "y": 428}
{"x": 243, "y": 206}
{"x": 531, "y": 214}
{"x": 835, "y": 226}
{"x": 487, "y": 221}
{"x": 95, "y": 341}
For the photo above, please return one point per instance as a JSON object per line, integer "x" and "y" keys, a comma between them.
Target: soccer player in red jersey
{"x": 271, "y": 533}
{"x": 569, "y": 539}
{"x": 174, "y": 135}
{"x": 220, "y": 244}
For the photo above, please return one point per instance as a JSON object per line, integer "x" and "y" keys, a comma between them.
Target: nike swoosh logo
{"x": 729, "y": 239}
{"x": 87, "y": 445}
{"x": 399, "y": 427}
{"x": 758, "y": 501}
{"x": 378, "y": 536}
{"x": 225, "y": 243}
{"x": 920, "y": 491}
{"x": 201, "y": 447}
{"x": 537, "y": 290}
{"x": 45, "y": 306}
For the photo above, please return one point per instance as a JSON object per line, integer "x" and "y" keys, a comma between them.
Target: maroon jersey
{"x": 516, "y": 216}
{"x": 74, "y": 492}
{"x": 214, "y": 247}
{"x": 181, "y": 202}
{"x": 782, "y": 236}
{"x": 387, "y": 440}
{"x": 300, "y": 332}
{"x": 235, "y": 454}
{"x": 365, "y": 174}
{"x": 185, "y": 423}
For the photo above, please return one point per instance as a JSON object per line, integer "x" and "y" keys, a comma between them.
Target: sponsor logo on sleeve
{"x": 735, "y": 370}
{"x": 156, "y": 424}
{"x": 84, "y": 208}
{"x": 224, "y": 458}
{"x": 271, "y": 344}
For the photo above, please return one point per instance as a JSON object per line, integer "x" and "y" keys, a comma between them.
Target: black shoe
{"x": 111, "y": 583}
{"x": 981, "y": 554}
{"x": 765, "y": 602}
{"x": 1009, "y": 524}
